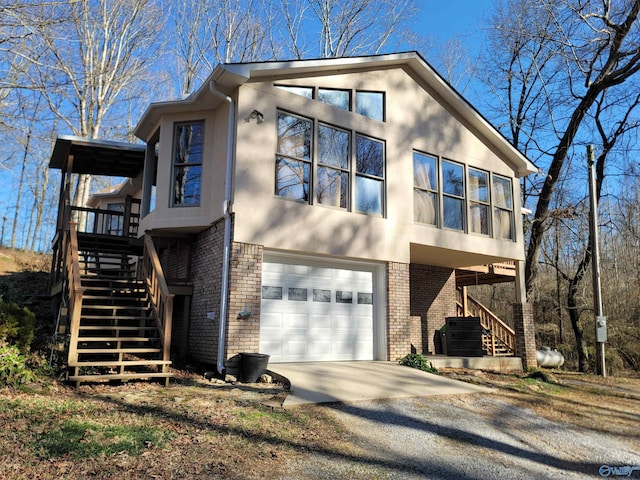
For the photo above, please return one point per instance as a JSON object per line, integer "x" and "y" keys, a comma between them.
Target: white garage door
{"x": 316, "y": 312}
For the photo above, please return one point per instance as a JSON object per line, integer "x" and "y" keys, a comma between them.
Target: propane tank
{"x": 549, "y": 358}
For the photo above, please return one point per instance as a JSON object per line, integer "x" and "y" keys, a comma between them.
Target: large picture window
{"x": 339, "y": 171}
{"x": 462, "y": 198}
{"x": 187, "y": 164}
{"x": 293, "y": 159}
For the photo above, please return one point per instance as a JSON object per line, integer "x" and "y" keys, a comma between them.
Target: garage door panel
{"x": 296, "y": 349}
{"x": 319, "y": 316}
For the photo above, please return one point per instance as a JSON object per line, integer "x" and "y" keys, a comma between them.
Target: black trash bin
{"x": 252, "y": 365}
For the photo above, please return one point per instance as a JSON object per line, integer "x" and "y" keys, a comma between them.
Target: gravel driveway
{"x": 475, "y": 436}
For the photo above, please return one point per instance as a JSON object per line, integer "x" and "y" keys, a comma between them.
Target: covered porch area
{"x": 440, "y": 285}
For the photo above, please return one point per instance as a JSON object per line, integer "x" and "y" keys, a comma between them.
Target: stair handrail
{"x": 490, "y": 321}
{"x": 161, "y": 298}
{"x": 75, "y": 289}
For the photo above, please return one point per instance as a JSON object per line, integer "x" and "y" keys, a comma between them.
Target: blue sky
{"x": 446, "y": 19}
{"x": 443, "y": 20}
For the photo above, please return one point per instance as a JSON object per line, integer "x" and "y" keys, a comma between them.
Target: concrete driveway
{"x": 322, "y": 382}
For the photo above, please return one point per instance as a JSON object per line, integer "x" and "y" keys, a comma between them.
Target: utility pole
{"x": 601, "y": 320}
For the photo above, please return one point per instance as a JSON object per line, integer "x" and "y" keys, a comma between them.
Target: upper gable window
{"x": 370, "y": 104}
{"x": 366, "y": 103}
{"x": 187, "y": 163}
{"x": 302, "y": 91}
{"x": 337, "y": 98}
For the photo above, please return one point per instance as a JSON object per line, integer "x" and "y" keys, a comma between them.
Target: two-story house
{"x": 321, "y": 210}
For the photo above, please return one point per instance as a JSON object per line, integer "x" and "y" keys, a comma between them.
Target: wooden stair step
{"x": 119, "y": 376}
{"x": 121, "y": 363}
{"x": 114, "y": 307}
{"x": 112, "y": 317}
{"x": 114, "y": 328}
{"x": 119, "y": 350}
{"x": 117, "y": 339}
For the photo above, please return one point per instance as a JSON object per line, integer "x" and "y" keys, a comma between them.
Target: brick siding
{"x": 433, "y": 298}
{"x": 245, "y": 288}
{"x": 206, "y": 276}
{"x": 398, "y": 321}
{"x": 525, "y": 334}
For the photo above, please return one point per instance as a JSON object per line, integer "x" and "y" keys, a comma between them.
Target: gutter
{"x": 226, "y": 208}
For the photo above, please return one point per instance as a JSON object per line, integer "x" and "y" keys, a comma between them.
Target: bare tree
{"x": 564, "y": 70}
{"x": 208, "y": 33}
{"x": 83, "y": 62}
{"x": 335, "y": 28}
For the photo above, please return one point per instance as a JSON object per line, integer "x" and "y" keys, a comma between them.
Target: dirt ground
{"x": 197, "y": 428}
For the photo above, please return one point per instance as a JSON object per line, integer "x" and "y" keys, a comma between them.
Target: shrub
{"x": 16, "y": 325}
{"x": 14, "y": 368}
{"x": 416, "y": 360}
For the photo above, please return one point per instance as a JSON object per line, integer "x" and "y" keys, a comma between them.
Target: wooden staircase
{"x": 112, "y": 317}
{"x": 498, "y": 338}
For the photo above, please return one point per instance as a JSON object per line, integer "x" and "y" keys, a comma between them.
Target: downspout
{"x": 226, "y": 208}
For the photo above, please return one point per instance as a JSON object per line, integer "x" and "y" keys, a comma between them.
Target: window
{"x": 150, "y": 174}
{"x": 187, "y": 164}
{"x": 329, "y": 168}
{"x": 503, "y": 208}
{"x": 293, "y": 159}
{"x": 370, "y": 104}
{"x": 337, "y": 98}
{"x": 453, "y": 195}
{"x": 489, "y": 197}
{"x": 114, "y": 223}
{"x": 369, "y": 191}
{"x": 425, "y": 191}
{"x": 479, "y": 207}
{"x": 332, "y": 186}
{"x": 302, "y": 91}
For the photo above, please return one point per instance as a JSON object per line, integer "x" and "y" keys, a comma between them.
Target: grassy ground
{"x": 201, "y": 429}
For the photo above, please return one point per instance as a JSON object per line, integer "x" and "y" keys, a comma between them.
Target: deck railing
{"x": 161, "y": 299}
{"x": 120, "y": 223}
{"x": 75, "y": 289}
{"x": 500, "y": 338}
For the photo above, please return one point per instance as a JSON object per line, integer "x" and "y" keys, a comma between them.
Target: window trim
{"x": 311, "y": 190}
{"x": 352, "y": 100}
{"x": 495, "y": 206}
{"x": 488, "y": 204}
{"x": 444, "y": 196}
{"x": 315, "y": 164}
{"x": 150, "y": 180}
{"x": 174, "y": 167}
{"x": 468, "y": 202}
